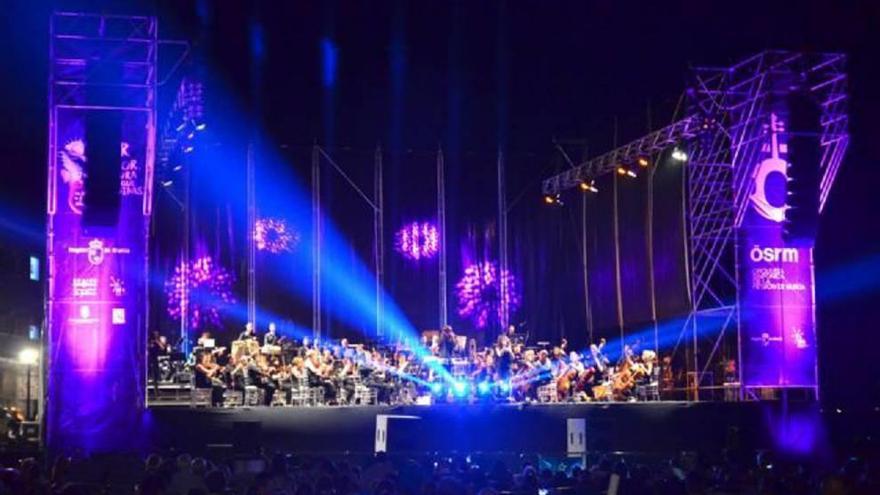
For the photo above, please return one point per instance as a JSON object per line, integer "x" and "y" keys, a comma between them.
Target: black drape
{"x": 601, "y": 261}
{"x": 632, "y": 209}
{"x": 670, "y": 272}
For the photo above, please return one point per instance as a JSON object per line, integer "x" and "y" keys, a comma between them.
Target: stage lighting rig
{"x": 460, "y": 389}
{"x": 553, "y": 199}
{"x": 484, "y": 388}
{"x": 679, "y": 155}
{"x": 589, "y": 186}
{"x": 624, "y": 171}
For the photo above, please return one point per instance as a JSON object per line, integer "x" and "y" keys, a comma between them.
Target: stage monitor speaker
{"x": 804, "y": 153}
{"x": 103, "y": 140}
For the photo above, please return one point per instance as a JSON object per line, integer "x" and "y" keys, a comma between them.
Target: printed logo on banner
{"x": 72, "y": 160}
{"x": 776, "y": 296}
{"x": 765, "y": 339}
{"x": 129, "y": 185}
{"x": 96, "y": 251}
{"x": 85, "y": 286}
{"x": 763, "y": 200}
{"x": 117, "y": 286}
{"x": 84, "y": 315}
{"x": 118, "y": 316}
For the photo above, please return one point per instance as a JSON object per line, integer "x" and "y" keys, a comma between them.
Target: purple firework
{"x": 480, "y": 292}
{"x": 206, "y": 287}
{"x": 418, "y": 240}
{"x": 273, "y": 235}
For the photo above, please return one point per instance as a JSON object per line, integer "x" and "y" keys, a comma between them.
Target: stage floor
{"x": 529, "y": 428}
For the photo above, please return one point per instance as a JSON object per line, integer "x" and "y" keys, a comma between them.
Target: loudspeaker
{"x": 804, "y": 153}
{"x": 103, "y": 140}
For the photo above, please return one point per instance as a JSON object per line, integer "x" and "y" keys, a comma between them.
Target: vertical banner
{"x": 97, "y": 316}
{"x": 777, "y": 316}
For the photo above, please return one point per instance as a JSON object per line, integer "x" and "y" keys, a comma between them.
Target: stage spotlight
{"x": 589, "y": 186}
{"x": 180, "y": 127}
{"x": 188, "y": 149}
{"x": 483, "y": 388}
{"x": 460, "y": 389}
{"x": 437, "y": 388}
{"x": 679, "y": 154}
{"x": 554, "y": 199}
{"x": 621, "y": 170}
{"x": 643, "y": 162}
{"x": 167, "y": 183}
{"x": 504, "y": 387}
{"x": 191, "y": 135}
{"x": 177, "y": 168}
{"x": 201, "y": 126}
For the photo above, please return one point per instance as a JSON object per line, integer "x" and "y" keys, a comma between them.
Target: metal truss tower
{"x": 734, "y": 105}
{"x": 98, "y": 277}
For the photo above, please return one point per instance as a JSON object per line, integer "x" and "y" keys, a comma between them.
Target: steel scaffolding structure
{"x": 97, "y": 63}
{"x": 722, "y": 163}
{"x": 723, "y": 132}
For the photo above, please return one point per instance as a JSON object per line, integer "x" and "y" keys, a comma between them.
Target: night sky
{"x": 477, "y": 75}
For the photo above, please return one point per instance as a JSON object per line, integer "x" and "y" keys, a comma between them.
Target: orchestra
{"x": 515, "y": 371}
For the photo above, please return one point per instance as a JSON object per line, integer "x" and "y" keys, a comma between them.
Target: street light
{"x": 28, "y": 357}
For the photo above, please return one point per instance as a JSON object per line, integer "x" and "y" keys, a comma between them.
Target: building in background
{"x": 21, "y": 319}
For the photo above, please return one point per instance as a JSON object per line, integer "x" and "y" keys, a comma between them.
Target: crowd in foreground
{"x": 181, "y": 474}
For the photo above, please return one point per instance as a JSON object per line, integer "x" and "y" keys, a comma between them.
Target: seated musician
{"x": 447, "y": 342}
{"x": 570, "y": 377}
{"x": 623, "y": 383}
{"x": 317, "y": 376}
{"x": 345, "y": 376}
{"x": 600, "y": 361}
{"x": 380, "y": 377}
{"x": 207, "y": 375}
{"x": 545, "y": 364}
{"x": 485, "y": 368}
{"x": 402, "y": 363}
{"x": 259, "y": 375}
{"x": 503, "y": 357}
{"x": 238, "y": 375}
{"x": 340, "y": 350}
{"x": 271, "y": 338}
{"x": 248, "y": 332}
{"x": 645, "y": 369}
{"x": 298, "y": 372}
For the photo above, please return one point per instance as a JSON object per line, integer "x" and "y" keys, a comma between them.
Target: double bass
{"x": 623, "y": 381}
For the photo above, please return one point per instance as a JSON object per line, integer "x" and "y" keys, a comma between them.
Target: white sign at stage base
{"x": 576, "y": 434}
{"x": 381, "y": 443}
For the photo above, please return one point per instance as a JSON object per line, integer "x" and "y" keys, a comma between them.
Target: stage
{"x": 645, "y": 427}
